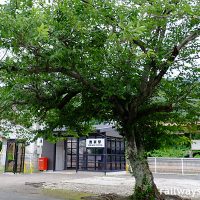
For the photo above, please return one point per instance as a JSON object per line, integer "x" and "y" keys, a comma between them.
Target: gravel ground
{"x": 123, "y": 185}
{"x": 97, "y": 183}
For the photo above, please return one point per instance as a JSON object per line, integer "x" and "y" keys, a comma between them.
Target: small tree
{"x": 70, "y": 62}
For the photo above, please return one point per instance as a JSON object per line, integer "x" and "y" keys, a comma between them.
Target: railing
{"x": 159, "y": 165}
{"x": 174, "y": 165}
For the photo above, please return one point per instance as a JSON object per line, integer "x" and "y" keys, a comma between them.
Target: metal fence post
{"x": 182, "y": 170}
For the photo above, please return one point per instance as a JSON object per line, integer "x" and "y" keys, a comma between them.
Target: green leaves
{"x": 43, "y": 32}
{"x": 103, "y": 50}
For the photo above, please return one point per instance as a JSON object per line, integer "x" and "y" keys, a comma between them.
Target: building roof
{"x": 110, "y": 130}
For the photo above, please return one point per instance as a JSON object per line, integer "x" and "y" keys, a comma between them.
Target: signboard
{"x": 40, "y": 142}
{"x": 95, "y": 143}
{"x": 39, "y": 150}
{"x": 195, "y": 144}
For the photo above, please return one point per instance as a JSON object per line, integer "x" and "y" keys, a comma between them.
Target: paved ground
{"x": 19, "y": 196}
{"x": 28, "y": 187}
{"x": 16, "y": 187}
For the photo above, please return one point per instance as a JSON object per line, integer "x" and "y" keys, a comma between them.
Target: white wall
{"x": 3, "y": 153}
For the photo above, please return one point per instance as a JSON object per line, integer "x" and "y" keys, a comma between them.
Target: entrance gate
{"x": 15, "y": 156}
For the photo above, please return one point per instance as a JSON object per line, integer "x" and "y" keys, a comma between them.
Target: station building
{"x": 103, "y": 150}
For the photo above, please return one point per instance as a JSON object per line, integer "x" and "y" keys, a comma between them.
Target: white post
{"x": 3, "y": 153}
{"x": 182, "y": 166}
{"x": 31, "y": 165}
{"x": 155, "y": 163}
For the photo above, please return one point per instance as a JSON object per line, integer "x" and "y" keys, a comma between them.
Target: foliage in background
{"x": 197, "y": 155}
{"x": 66, "y": 64}
{"x": 171, "y": 145}
{"x": 177, "y": 152}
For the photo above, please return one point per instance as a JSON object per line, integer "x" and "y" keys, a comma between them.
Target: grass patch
{"x": 65, "y": 194}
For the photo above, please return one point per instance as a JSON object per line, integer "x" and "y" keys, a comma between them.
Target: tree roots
{"x": 118, "y": 197}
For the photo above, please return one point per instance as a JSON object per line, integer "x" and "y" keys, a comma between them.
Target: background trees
{"x": 133, "y": 63}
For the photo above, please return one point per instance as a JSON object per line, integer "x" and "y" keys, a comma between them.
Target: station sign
{"x": 40, "y": 142}
{"x": 95, "y": 143}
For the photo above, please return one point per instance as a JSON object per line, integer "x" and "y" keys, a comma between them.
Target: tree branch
{"x": 4, "y": 55}
{"x": 188, "y": 39}
{"x": 71, "y": 73}
{"x": 150, "y": 86}
{"x": 141, "y": 44}
{"x": 174, "y": 54}
{"x": 87, "y": 2}
{"x": 155, "y": 109}
{"x": 76, "y": 75}
{"x": 118, "y": 105}
{"x": 185, "y": 93}
{"x": 66, "y": 99}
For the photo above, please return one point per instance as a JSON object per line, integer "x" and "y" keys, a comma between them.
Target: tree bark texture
{"x": 145, "y": 188}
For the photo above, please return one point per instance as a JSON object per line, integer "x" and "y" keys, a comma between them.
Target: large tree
{"x": 71, "y": 62}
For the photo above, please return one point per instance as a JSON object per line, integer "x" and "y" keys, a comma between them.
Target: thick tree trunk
{"x": 145, "y": 188}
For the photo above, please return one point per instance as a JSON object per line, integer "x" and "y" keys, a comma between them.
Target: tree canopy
{"x": 81, "y": 60}
{"x": 68, "y": 63}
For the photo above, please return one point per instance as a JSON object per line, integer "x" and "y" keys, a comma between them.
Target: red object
{"x": 43, "y": 164}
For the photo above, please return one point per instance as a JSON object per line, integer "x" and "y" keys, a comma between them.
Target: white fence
{"x": 175, "y": 165}
{"x": 157, "y": 165}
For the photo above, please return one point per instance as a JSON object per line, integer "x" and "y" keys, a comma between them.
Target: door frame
{"x": 16, "y": 159}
